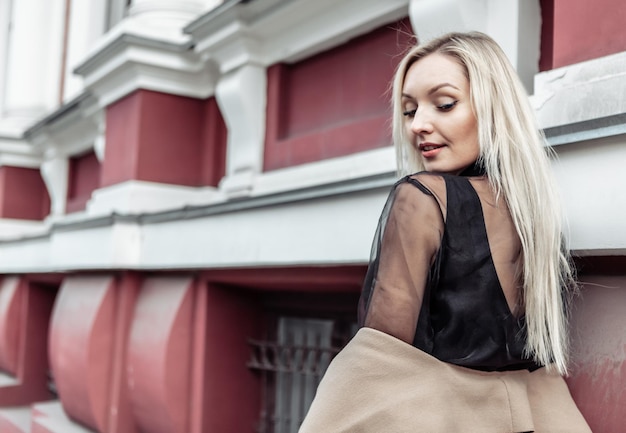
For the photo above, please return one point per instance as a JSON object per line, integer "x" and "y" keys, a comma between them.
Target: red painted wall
{"x": 335, "y": 103}
{"x": 577, "y": 30}
{"x": 213, "y": 142}
{"x": 158, "y": 137}
{"x": 84, "y": 178}
{"x": 23, "y": 194}
{"x": 598, "y": 381}
{"x": 231, "y": 393}
{"x": 26, "y": 308}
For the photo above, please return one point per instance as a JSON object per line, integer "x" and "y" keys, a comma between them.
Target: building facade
{"x": 189, "y": 190}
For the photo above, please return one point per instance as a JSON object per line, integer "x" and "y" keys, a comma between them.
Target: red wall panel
{"x": 122, "y": 140}
{"x": 23, "y": 194}
{"x": 214, "y": 136}
{"x": 24, "y": 317}
{"x": 335, "y": 103}
{"x": 598, "y": 380}
{"x": 84, "y": 178}
{"x": 164, "y": 138}
{"x": 577, "y": 30}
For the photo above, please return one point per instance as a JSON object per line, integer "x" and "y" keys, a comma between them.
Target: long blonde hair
{"x": 516, "y": 158}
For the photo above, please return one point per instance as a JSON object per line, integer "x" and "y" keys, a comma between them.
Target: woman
{"x": 463, "y": 306}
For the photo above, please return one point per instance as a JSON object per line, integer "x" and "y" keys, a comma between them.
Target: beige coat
{"x": 379, "y": 384}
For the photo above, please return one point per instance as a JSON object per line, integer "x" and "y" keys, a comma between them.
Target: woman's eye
{"x": 447, "y": 107}
{"x": 409, "y": 113}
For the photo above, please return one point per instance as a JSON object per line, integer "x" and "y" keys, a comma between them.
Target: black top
{"x": 464, "y": 317}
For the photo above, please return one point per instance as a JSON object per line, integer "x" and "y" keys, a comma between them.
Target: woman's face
{"x": 438, "y": 114}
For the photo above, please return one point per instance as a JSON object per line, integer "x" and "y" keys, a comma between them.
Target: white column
{"x": 5, "y": 23}
{"x": 241, "y": 96}
{"x": 34, "y": 58}
{"x": 86, "y": 24}
{"x": 166, "y": 12}
{"x": 514, "y": 24}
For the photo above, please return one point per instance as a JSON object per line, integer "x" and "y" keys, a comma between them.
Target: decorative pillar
{"x": 55, "y": 171}
{"x": 160, "y": 355}
{"x": 241, "y": 95}
{"x": 514, "y": 24}
{"x": 88, "y": 339}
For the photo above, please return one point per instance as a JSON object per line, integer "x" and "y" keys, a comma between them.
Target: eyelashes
{"x": 447, "y": 107}
{"x": 442, "y": 107}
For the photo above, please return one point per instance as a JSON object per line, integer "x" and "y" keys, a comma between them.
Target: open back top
{"x": 445, "y": 272}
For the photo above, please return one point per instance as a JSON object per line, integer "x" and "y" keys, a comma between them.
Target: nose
{"x": 421, "y": 123}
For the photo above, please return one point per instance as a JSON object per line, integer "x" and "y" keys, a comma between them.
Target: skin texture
{"x": 440, "y": 122}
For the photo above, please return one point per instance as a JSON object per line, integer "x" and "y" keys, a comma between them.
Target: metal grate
{"x": 291, "y": 368}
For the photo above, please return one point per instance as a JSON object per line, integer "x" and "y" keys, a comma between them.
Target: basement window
{"x": 292, "y": 366}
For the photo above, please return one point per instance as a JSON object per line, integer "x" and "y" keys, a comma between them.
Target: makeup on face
{"x": 439, "y": 120}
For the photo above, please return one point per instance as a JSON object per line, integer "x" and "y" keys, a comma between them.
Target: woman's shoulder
{"x": 431, "y": 185}
{"x": 428, "y": 182}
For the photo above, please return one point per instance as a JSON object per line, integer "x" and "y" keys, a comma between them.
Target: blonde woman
{"x": 463, "y": 306}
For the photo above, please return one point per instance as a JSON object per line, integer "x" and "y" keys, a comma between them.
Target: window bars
{"x": 292, "y": 367}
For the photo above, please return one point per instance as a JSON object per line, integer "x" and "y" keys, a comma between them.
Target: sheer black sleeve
{"x": 407, "y": 239}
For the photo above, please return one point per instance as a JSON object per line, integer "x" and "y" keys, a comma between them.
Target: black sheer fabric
{"x": 445, "y": 272}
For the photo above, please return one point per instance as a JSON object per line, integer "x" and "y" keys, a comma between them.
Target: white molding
{"x": 166, "y": 10}
{"x": 584, "y": 91}
{"x": 514, "y": 24}
{"x": 265, "y": 32}
{"x": 69, "y": 131}
{"x": 303, "y": 232}
{"x": 18, "y": 153}
{"x": 13, "y": 127}
{"x": 148, "y": 51}
{"x": 132, "y": 62}
{"x": 352, "y": 167}
{"x": 14, "y": 229}
{"x": 139, "y": 197}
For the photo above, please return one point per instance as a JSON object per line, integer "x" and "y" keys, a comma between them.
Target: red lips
{"x": 430, "y": 150}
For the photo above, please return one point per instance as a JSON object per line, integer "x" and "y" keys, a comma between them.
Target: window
{"x": 292, "y": 366}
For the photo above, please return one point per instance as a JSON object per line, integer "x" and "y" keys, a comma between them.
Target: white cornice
{"x": 265, "y": 32}
{"x": 18, "y": 153}
{"x": 70, "y": 130}
{"x": 131, "y": 58}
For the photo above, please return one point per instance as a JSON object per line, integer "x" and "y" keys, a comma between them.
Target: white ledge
{"x": 581, "y": 92}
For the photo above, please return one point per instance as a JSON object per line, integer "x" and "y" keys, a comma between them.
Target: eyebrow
{"x": 434, "y": 89}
